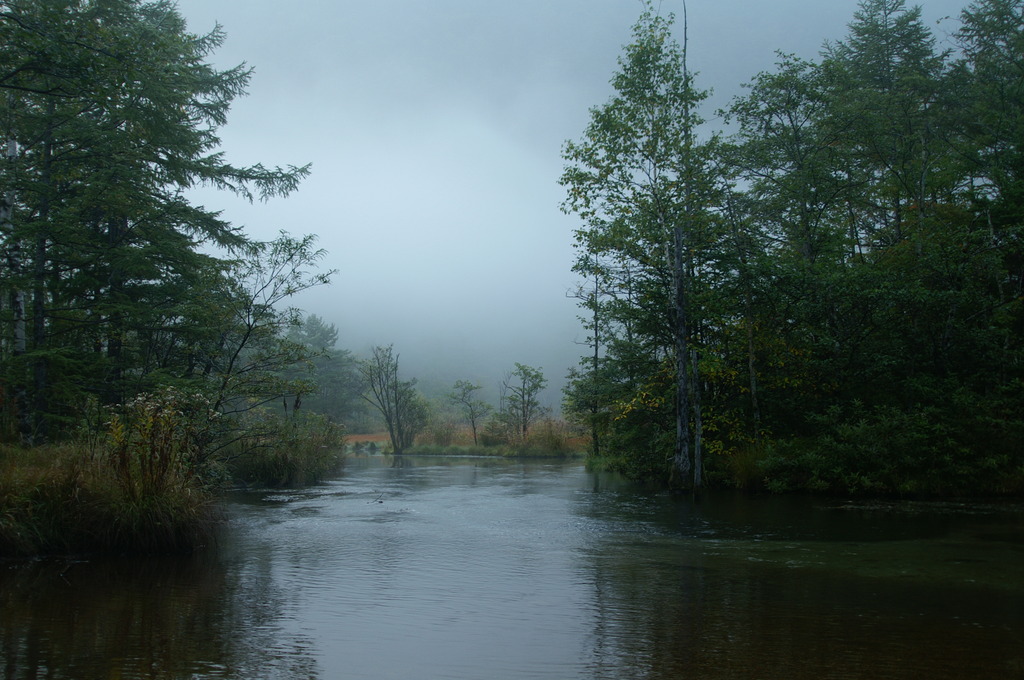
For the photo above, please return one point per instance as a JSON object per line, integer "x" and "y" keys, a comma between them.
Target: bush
{"x": 440, "y": 431}
{"x": 156, "y": 443}
{"x": 291, "y": 451}
{"x": 460, "y": 450}
{"x": 547, "y": 438}
{"x": 643, "y": 452}
{"x": 741, "y": 466}
{"x": 921, "y": 451}
{"x": 495, "y": 432}
{"x": 57, "y": 500}
{"x": 145, "y": 484}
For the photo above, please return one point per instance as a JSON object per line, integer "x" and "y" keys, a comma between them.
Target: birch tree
{"x": 641, "y": 182}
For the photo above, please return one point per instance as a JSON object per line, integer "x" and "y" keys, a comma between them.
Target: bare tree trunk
{"x": 681, "y": 459}
{"x": 40, "y": 400}
{"x": 698, "y": 422}
{"x": 683, "y": 464}
{"x": 17, "y": 301}
{"x": 595, "y": 407}
{"x": 755, "y": 408}
{"x": 117, "y": 227}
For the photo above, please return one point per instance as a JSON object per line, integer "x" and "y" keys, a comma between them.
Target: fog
{"x": 435, "y": 129}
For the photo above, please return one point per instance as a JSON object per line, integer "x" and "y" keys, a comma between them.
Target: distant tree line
{"x": 831, "y": 295}
{"x": 406, "y": 413}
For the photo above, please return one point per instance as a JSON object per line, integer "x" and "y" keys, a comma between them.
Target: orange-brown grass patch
{"x": 376, "y": 437}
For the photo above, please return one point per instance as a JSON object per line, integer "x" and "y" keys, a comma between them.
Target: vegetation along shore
{"x": 819, "y": 288}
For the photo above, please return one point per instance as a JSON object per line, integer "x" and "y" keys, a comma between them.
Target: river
{"x": 472, "y": 568}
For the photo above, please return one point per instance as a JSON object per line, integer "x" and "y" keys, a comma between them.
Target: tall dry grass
{"x": 61, "y": 500}
{"x": 298, "y": 450}
{"x": 136, "y": 489}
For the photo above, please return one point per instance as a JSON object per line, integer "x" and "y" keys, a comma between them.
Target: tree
{"x": 991, "y": 40}
{"x": 891, "y": 132}
{"x": 521, "y": 404}
{"x": 868, "y": 185}
{"x": 643, "y": 185}
{"x": 251, "y": 349}
{"x": 113, "y": 111}
{"x": 472, "y": 409}
{"x": 332, "y": 373}
{"x": 835, "y": 292}
{"x": 404, "y": 411}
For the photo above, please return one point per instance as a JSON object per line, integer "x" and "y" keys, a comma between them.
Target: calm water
{"x": 473, "y": 569}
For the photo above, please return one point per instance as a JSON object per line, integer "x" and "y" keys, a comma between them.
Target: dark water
{"x": 473, "y": 569}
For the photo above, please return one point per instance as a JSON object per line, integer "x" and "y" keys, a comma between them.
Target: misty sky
{"x": 435, "y": 130}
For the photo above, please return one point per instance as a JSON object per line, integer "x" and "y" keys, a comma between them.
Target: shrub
{"x": 156, "y": 442}
{"x": 63, "y": 500}
{"x": 547, "y": 438}
{"x": 440, "y": 431}
{"x": 290, "y": 451}
{"x": 495, "y": 432}
{"x": 919, "y": 451}
{"x": 741, "y": 466}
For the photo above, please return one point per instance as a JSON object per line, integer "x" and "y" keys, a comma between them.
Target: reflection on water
{"x": 473, "y": 568}
{"x": 145, "y": 618}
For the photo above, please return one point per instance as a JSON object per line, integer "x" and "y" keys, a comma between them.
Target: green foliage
{"x": 853, "y": 269}
{"x": 66, "y": 500}
{"x": 332, "y": 373}
{"x": 520, "y": 407}
{"x": 645, "y": 186}
{"x": 287, "y": 451}
{"x": 475, "y": 411}
{"x": 949, "y": 449}
{"x": 126, "y": 295}
{"x": 741, "y": 467}
{"x": 157, "y": 443}
{"x": 247, "y": 359}
{"x": 109, "y": 113}
{"x": 495, "y": 432}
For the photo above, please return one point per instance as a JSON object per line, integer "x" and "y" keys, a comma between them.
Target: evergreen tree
{"x": 112, "y": 112}
{"x": 332, "y": 373}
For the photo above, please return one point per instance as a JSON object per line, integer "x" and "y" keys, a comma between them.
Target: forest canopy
{"x": 114, "y": 283}
{"x": 827, "y": 292}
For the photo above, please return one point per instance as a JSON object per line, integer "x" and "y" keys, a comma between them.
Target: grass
{"x": 146, "y": 484}
{"x": 64, "y": 500}
{"x": 547, "y": 439}
{"x": 292, "y": 451}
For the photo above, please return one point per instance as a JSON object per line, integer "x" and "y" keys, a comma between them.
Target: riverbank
{"x": 549, "y": 439}
{"x": 68, "y": 499}
{"x": 151, "y": 494}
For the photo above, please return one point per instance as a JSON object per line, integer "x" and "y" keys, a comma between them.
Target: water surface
{"x": 475, "y": 568}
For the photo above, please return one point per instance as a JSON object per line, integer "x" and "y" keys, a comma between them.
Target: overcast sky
{"x": 435, "y": 129}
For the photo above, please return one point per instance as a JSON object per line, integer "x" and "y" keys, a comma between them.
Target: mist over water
{"x": 435, "y": 136}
